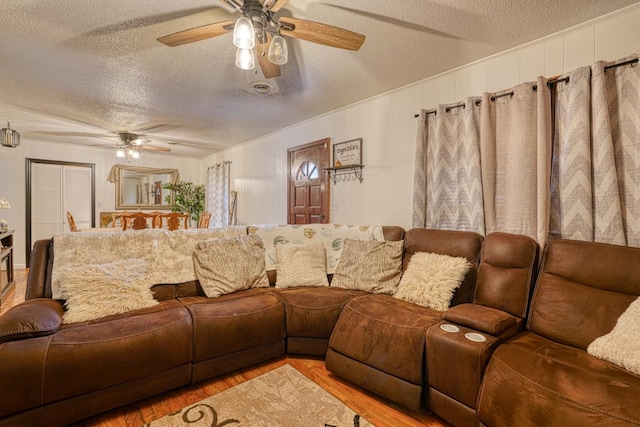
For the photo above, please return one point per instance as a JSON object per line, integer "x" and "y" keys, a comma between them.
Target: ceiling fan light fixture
{"x": 120, "y": 153}
{"x": 245, "y": 59}
{"x": 135, "y": 154}
{"x": 243, "y": 34}
{"x": 278, "y": 52}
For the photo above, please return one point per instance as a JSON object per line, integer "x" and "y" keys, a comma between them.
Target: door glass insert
{"x": 307, "y": 170}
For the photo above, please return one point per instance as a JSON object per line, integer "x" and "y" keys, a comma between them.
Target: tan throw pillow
{"x": 301, "y": 265}
{"x": 431, "y": 279}
{"x": 621, "y": 346}
{"x": 229, "y": 265}
{"x": 369, "y": 265}
{"x": 97, "y": 290}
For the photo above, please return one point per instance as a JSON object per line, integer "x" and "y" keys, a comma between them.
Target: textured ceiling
{"x": 73, "y": 66}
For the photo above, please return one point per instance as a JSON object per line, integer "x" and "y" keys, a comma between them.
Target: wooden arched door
{"x": 308, "y": 195}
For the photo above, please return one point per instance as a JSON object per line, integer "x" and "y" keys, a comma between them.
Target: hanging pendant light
{"x": 9, "y": 137}
{"x": 278, "y": 52}
{"x": 243, "y": 35}
{"x": 245, "y": 59}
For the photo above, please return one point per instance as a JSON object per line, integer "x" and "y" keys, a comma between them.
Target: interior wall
{"x": 13, "y": 178}
{"x": 387, "y": 125}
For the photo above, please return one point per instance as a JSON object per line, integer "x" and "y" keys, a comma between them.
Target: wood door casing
{"x": 308, "y": 193}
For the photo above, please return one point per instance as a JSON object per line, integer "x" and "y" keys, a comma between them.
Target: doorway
{"x": 53, "y": 188}
{"x": 308, "y": 192}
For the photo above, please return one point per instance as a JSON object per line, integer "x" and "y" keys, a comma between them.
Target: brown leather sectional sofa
{"x": 530, "y": 367}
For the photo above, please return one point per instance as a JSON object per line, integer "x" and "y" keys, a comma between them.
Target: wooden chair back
{"x": 118, "y": 216}
{"x": 72, "y": 222}
{"x": 137, "y": 221}
{"x": 157, "y": 221}
{"x": 173, "y": 220}
{"x": 205, "y": 218}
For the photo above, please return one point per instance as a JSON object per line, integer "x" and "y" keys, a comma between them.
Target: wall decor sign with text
{"x": 347, "y": 153}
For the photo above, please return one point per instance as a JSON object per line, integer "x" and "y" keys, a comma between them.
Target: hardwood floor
{"x": 377, "y": 410}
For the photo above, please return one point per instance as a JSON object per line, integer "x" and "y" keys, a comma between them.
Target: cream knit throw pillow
{"x": 229, "y": 265}
{"x": 301, "y": 265}
{"x": 621, "y": 346}
{"x": 369, "y": 265}
{"x": 431, "y": 279}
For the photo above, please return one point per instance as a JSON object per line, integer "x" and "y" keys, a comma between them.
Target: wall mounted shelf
{"x": 345, "y": 173}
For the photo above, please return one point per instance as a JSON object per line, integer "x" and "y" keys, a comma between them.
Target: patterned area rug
{"x": 282, "y": 397}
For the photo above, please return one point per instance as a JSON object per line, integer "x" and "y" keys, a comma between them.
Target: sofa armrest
{"x": 481, "y": 318}
{"x": 33, "y": 318}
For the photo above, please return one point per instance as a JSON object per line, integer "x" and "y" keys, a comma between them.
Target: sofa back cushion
{"x": 582, "y": 289}
{"x": 465, "y": 244}
{"x": 507, "y": 272}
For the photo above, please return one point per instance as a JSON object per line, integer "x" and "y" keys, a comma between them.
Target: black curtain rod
{"x": 535, "y": 87}
{"x": 631, "y": 61}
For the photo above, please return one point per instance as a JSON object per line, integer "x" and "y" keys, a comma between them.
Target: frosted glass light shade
{"x": 4, "y": 203}
{"x": 245, "y": 59}
{"x": 120, "y": 153}
{"x": 278, "y": 52}
{"x": 243, "y": 36}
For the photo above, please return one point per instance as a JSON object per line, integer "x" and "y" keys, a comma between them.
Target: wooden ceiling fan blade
{"x": 234, "y": 4}
{"x": 274, "y": 5}
{"x": 317, "y": 32}
{"x": 269, "y": 69}
{"x": 197, "y": 34}
{"x": 155, "y": 148}
{"x": 75, "y": 134}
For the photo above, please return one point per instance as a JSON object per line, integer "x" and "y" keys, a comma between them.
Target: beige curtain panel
{"x": 555, "y": 163}
{"x": 515, "y": 146}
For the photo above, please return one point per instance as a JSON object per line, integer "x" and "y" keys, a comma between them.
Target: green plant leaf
{"x": 189, "y": 198}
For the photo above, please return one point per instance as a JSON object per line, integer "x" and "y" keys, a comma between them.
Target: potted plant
{"x": 188, "y": 198}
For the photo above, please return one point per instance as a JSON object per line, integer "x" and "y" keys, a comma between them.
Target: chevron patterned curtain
{"x": 596, "y": 167}
{"x": 447, "y": 180}
{"x": 218, "y": 194}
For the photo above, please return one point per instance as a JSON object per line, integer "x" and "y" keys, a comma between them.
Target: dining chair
{"x": 118, "y": 216}
{"x": 72, "y": 222}
{"x": 174, "y": 219}
{"x": 205, "y": 217}
{"x": 157, "y": 221}
{"x": 137, "y": 221}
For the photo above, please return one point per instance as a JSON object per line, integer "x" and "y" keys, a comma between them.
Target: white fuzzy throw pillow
{"x": 97, "y": 290}
{"x": 621, "y": 346}
{"x": 431, "y": 279}
{"x": 301, "y": 265}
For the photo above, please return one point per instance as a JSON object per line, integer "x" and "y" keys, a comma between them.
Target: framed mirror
{"x": 142, "y": 187}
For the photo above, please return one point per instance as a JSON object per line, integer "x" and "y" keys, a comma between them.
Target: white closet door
{"x": 56, "y": 189}
{"x": 46, "y": 201}
{"x": 76, "y": 195}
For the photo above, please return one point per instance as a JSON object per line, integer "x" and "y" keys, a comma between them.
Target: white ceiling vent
{"x": 262, "y": 88}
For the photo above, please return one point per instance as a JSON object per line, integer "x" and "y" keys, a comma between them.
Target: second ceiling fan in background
{"x": 258, "y": 33}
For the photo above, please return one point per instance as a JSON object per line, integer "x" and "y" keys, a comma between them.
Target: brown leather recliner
{"x": 544, "y": 376}
{"x": 455, "y": 363}
{"x": 379, "y": 341}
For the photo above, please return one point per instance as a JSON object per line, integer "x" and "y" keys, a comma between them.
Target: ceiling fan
{"x": 130, "y": 145}
{"x": 259, "y": 29}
